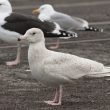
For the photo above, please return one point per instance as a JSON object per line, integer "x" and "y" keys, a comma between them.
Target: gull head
{"x": 33, "y": 35}
{"x": 46, "y": 8}
{"x": 5, "y": 7}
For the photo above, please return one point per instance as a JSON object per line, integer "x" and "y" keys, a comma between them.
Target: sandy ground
{"x": 20, "y": 93}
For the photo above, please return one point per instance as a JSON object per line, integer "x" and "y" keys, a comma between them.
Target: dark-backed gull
{"x": 13, "y": 25}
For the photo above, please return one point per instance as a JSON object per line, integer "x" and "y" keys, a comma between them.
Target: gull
{"x": 13, "y": 25}
{"x": 66, "y": 22}
{"x": 55, "y": 68}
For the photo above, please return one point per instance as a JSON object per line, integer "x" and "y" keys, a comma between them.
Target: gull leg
{"x": 58, "y": 97}
{"x": 56, "y": 46}
{"x": 55, "y": 97}
{"x": 17, "y": 60}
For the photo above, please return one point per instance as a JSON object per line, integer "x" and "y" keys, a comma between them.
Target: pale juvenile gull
{"x": 13, "y": 25}
{"x": 66, "y": 22}
{"x": 55, "y": 68}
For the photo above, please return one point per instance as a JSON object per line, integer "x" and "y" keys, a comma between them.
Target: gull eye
{"x": 33, "y": 33}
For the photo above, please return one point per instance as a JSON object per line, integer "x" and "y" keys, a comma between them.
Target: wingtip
{"x": 68, "y": 34}
{"x": 94, "y": 29}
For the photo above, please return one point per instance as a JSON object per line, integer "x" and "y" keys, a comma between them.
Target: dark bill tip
{"x": 19, "y": 39}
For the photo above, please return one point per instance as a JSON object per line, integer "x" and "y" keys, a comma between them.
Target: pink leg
{"x": 56, "y": 46}
{"x": 58, "y": 97}
{"x": 17, "y": 60}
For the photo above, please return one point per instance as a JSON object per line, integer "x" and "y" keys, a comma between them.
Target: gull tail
{"x": 93, "y": 29}
{"x": 104, "y": 73}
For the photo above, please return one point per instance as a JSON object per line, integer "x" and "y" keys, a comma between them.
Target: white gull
{"x": 55, "y": 68}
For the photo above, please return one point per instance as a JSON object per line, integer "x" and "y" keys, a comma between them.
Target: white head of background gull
{"x": 5, "y": 7}
{"x": 55, "y": 68}
{"x": 45, "y": 12}
{"x": 13, "y": 25}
